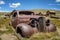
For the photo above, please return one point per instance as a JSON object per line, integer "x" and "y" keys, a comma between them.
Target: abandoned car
{"x": 52, "y": 14}
{"x": 26, "y": 23}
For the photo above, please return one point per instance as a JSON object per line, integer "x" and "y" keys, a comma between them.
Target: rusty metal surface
{"x": 22, "y": 18}
{"x": 26, "y": 30}
{"x": 51, "y": 28}
{"x": 22, "y": 22}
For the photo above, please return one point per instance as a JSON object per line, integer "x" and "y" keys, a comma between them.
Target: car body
{"x": 27, "y": 23}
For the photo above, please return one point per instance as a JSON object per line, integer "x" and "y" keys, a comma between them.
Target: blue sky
{"x": 9, "y": 5}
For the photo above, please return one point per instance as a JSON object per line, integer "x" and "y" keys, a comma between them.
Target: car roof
{"x": 21, "y": 11}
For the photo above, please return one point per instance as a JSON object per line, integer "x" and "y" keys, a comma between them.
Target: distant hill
{"x": 44, "y": 10}
{"x": 2, "y": 13}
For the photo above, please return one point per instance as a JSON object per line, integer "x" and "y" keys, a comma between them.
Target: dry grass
{"x": 7, "y": 32}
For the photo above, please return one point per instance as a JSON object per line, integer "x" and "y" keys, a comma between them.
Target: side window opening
{"x": 25, "y": 13}
{"x": 48, "y": 22}
{"x": 14, "y": 15}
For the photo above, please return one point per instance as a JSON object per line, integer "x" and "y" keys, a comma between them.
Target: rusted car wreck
{"x": 27, "y": 23}
{"x": 52, "y": 14}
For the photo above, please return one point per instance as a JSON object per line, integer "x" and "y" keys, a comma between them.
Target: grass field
{"x": 6, "y": 32}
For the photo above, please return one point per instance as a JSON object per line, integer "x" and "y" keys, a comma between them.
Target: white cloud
{"x": 54, "y": 9}
{"x": 14, "y": 5}
{"x": 51, "y": 4}
{"x": 58, "y": 4}
{"x": 0, "y": 7}
{"x": 2, "y": 2}
{"x": 57, "y": 0}
{"x": 54, "y": 4}
{"x": 4, "y": 11}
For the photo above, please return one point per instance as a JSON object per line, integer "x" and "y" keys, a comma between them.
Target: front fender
{"x": 24, "y": 30}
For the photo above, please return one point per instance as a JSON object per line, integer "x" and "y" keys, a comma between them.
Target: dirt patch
{"x": 8, "y": 37}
